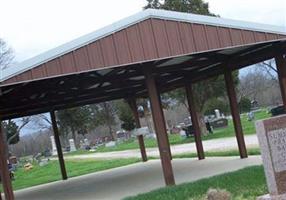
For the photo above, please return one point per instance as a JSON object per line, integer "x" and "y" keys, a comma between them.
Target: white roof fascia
{"x": 141, "y": 16}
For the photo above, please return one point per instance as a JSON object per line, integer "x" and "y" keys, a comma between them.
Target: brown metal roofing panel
{"x": 81, "y": 59}
{"x": 147, "y": 37}
{"x": 271, "y": 36}
{"x": 236, "y": 37}
{"x": 11, "y": 80}
{"x": 212, "y": 37}
{"x": 135, "y": 43}
{"x": 39, "y": 72}
{"x": 146, "y": 40}
{"x": 24, "y": 76}
{"x": 53, "y": 67}
{"x": 67, "y": 63}
{"x": 122, "y": 47}
{"x": 224, "y": 37}
{"x": 161, "y": 39}
{"x": 248, "y": 37}
{"x": 187, "y": 37}
{"x": 259, "y": 37}
{"x": 95, "y": 55}
{"x": 108, "y": 51}
{"x": 200, "y": 37}
{"x": 174, "y": 39}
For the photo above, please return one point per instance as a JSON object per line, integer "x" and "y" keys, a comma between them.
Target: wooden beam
{"x": 195, "y": 121}
{"x": 58, "y": 104}
{"x": 133, "y": 106}
{"x": 281, "y": 69}
{"x": 58, "y": 146}
{"x": 4, "y": 171}
{"x": 160, "y": 127}
{"x": 235, "y": 113}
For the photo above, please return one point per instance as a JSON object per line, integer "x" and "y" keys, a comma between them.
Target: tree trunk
{"x": 202, "y": 123}
{"x": 149, "y": 122}
{"x": 74, "y": 136}
{"x": 110, "y": 132}
{"x": 5, "y": 142}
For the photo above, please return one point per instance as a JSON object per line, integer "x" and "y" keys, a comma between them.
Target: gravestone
{"x": 141, "y": 131}
{"x": 219, "y": 123}
{"x": 217, "y": 113}
{"x": 54, "y": 148}
{"x": 86, "y": 142}
{"x": 110, "y": 144}
{"x": 272, "y": 140}
{"x": 72, "y": 145}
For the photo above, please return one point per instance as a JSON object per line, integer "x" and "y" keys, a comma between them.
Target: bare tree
{"x": 269, "y": 68}
{"x": 261, "y": 83}
{"x": 21, "y": 124}
{"x": 6, "y": 55}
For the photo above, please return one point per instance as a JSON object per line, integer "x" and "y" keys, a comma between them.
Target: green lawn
{"x": 51, "y": 172}
{"x": 248, "y": 128}
{"x": 231, "y": 152}
{"x": 245, "y": 184}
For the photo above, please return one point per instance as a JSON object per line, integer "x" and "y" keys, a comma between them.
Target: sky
{"x": 31, "y": 27}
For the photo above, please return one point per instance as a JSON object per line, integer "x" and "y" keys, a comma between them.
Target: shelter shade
{"x": 235, "y": 114}
{"x": 195, "y": 121}
{"x": 4, "y": 172}
{"x": 281, "y": 69}
{"x": 133, "y": 106}
{"x": 58, "y": 145}
{"x": 160, "y": 128}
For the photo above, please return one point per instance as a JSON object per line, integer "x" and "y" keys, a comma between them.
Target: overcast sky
{"x": 34, "y": 26}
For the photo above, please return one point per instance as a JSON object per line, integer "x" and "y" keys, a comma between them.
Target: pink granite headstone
{"x": 272, "y": 140}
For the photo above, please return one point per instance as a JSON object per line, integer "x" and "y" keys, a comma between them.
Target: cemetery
{"x": 209, "y": 154}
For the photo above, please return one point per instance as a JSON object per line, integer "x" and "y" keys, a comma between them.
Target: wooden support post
{"x": 281, "y": 69}
{"x": 235, "y": 114}
{"x": 160, "y": 128}
{"x": 133, "y": 106}
{"x": 58, "y": 146}
{"x": 195, "y": 122}
{"x": 4, "y": 171}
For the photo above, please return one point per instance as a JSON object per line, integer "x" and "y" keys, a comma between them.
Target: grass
{"x": 51, "y": 172}
{"x": 248, "y": 129}
{"x": 245, "y": 184}
{"x": 40, "y": 175}
{"x": 232, "y": 152}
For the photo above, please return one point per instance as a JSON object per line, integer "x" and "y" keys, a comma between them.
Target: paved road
{"x": 209, "y": 145}
{"x": 131, "y": 180}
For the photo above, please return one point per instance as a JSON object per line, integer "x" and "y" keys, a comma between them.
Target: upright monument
{"x": 72, "y": 145}
{"x": 272, "y": 139}
{"x": 54, "y": 148}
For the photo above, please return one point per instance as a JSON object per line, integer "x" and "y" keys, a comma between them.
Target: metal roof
{"x": 141, "y": 16}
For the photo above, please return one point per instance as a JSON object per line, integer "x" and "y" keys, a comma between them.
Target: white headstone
{"x": 110, "y": 144}
{"x": 141, "y": 131}
{"x": 54, "y": 148}
{"x": 86, "y": 142}
{"x": 72, "y": 145}
{"x": 217, "y": 113}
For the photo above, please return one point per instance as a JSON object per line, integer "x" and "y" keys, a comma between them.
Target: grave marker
{"x": 272, "y": 139}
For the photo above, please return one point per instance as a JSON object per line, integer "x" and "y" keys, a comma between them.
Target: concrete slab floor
{"x": 134, "y": 179}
